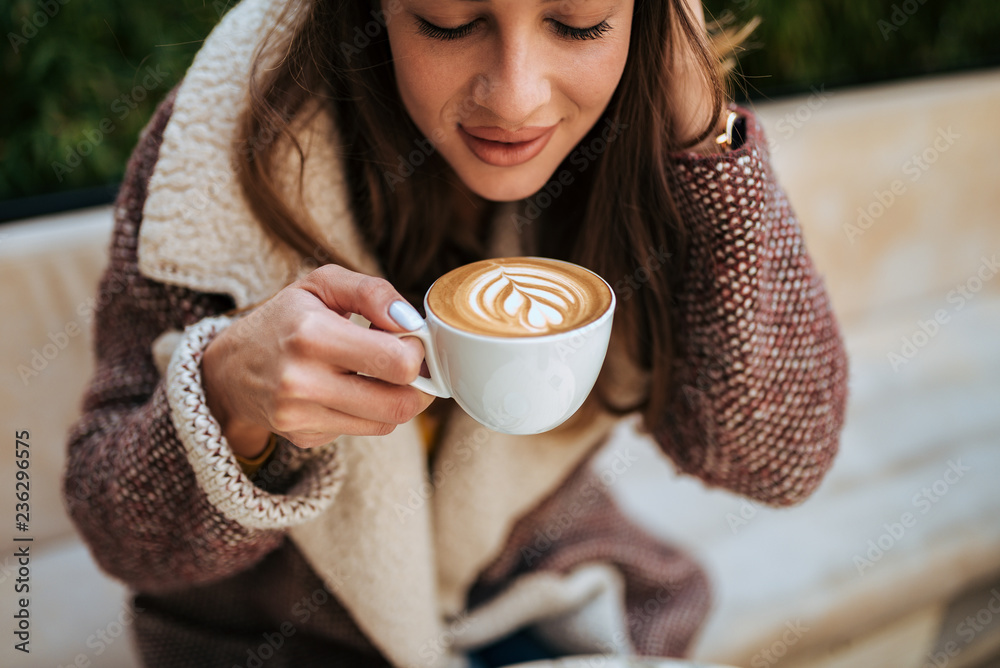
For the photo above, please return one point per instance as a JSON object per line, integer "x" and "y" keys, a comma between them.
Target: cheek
{"x": 593, "y": 79}
{"x": 427, "y": 84}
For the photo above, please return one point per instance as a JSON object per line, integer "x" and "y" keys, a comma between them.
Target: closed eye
{"x": 428, "y": 29}
{"x": 593, "y": 32}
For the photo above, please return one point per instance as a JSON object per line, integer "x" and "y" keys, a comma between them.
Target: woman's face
{"x": 505, "y": 89}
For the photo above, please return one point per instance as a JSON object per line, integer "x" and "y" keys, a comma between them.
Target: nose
{"x": 515, "y": 84}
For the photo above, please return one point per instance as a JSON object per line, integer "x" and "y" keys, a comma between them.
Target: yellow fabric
{"x": 430, "y": 428}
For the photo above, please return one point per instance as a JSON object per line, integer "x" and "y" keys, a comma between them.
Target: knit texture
{"x": 278, "y": 611}
{"x": 761, "y": 374}
{"x": 215, "y": 466}
{"x": 128, "y": 484}
{"x": 666, "y": 593}
{"x": 195, "y": 177}
{"x": 164, "y": 506}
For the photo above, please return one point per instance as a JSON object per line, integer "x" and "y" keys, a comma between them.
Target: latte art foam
{"x": 519, "y": 297}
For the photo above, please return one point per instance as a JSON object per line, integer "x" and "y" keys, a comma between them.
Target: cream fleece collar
{"x": 402, "y": 567}
{"x": 197, "y": 229}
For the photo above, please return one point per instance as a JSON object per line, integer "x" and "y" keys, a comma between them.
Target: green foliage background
{"x": 63, "y": 82}
{"x": 803, "y": 43}
{"x": 60, "y": 81}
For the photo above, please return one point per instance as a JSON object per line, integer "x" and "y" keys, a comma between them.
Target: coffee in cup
{"x": 523, "y": 296}
{"x": 517, "y": 342}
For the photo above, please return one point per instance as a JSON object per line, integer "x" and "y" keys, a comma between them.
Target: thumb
{"x": 346, "y": 291}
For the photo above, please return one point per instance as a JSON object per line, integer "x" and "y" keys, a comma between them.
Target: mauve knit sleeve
{"x": 150, "y": 483}
{"x": 761, "y": 371}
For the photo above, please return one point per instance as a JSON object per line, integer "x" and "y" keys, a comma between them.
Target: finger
{"x": 346, "y": 291}
{"x": 372, "y": 399}
{"x": 308, "y": 424}
{"x": 343, "y": 345}
{"x": 424, "y": 370}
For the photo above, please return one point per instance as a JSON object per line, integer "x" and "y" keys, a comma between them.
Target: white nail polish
{"x": 405, "y": 316}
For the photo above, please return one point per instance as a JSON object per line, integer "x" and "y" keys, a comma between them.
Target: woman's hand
{"x": 290, "y": 366}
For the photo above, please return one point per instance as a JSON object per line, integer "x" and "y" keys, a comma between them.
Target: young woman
{"x": 254, "y": 464}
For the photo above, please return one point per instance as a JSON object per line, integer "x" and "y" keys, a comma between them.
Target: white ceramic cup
{"x": 514, "y": 385}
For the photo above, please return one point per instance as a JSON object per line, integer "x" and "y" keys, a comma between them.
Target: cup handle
{"x": 435, "y": 384}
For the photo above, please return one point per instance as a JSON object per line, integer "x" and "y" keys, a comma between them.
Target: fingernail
{"x": 405, "y": 316}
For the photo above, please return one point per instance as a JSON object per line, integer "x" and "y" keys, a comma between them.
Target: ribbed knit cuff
{"x": 215, "y": 466}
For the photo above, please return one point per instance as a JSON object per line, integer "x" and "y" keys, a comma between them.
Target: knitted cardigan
{"x": 352, "y": 553}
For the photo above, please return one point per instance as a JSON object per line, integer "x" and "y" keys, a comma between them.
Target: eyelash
{"x": 593, "y": 32}
{"x": 428, "y": 29}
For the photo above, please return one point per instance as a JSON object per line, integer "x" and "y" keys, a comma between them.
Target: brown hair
{"x": 612, "y": 219}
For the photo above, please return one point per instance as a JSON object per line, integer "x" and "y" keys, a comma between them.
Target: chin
{"x": 505, "y": 187}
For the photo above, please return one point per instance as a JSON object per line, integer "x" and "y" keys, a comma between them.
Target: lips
{"x": 503, "y": 148}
